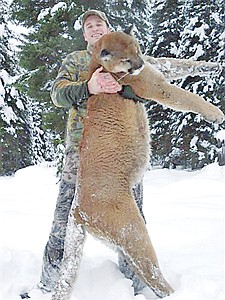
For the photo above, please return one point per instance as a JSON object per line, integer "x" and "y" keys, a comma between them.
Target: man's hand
{"x": 102, "y": 82}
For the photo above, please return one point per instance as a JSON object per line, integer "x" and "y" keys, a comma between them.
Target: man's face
{"x": 94, "y": 29}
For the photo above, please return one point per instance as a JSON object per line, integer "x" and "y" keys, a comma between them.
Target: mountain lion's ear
{"x": 105, "y": 55}
{"x": 130, "y": 30}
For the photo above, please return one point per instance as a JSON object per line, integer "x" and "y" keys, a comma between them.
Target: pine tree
{"x": 190, "y": 140}
{"x": 199, "y": 40}
{"x": 167, "y": 20}
{"x": 15, "y": 132}
{"x": 48, "y": 41}
{"x": 163, "y": 28}
{"x": 123, "y": 14}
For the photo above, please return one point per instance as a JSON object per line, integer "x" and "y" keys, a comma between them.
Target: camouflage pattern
{"x": 137, "y": 284}
{"x": 70, "y": 90}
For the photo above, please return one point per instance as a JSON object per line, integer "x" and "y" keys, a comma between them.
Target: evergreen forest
{"x": 37, "y": 35}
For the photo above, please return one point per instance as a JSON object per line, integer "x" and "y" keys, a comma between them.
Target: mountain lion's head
{"x": 119, "y": 52}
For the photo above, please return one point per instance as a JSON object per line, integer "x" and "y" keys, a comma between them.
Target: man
{"x": 72, "y": 90}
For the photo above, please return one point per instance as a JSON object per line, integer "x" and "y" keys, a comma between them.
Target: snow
{"x": 216, "y": 17}
{"x": 193, "y": 142}
{"x": 44, "y": 12}
{"x": 2, "y": 29}
{"x": 56, "y": 7}
{"x": 2, "y": 94}
{"x": 185, "y": 218}
{"x": 19, "y": 104}
{"x": 221, "y": 134}
{"x": 5, "y": 76}
{"x": 198, "y": 51}
{"x": 77, "y": 24}
{"x": 8, "y": 114}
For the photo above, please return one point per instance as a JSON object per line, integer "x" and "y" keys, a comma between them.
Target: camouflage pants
{"x": 53, "y": 252}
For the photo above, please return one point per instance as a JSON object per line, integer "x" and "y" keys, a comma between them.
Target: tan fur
{"x": 114, "y": 154}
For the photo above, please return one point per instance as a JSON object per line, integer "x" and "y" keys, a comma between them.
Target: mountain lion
{"x": 114, "y": 153}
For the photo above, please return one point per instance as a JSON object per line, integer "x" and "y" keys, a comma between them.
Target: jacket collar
{"x": 90, "y": 49}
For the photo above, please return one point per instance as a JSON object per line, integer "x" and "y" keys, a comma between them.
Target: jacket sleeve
{"x": 128, "y": 93}
{"x": 70, "y": 86}
{"x": 173, "y": 68}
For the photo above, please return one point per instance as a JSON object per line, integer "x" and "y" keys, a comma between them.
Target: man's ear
{"x": 84, "y": 36}
{"x": 105, "y": 55}
{"x": 130, "y": 30}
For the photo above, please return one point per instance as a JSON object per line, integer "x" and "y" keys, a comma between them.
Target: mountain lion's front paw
{"x": 214, "y": 114}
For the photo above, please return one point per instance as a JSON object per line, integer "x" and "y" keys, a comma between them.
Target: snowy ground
{"x": 185, "y": 219}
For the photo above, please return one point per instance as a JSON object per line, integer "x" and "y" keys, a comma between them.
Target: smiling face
{"x": 94, "y": 29}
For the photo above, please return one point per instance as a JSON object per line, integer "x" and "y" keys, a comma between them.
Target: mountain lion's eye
{"x": 126, "y": 60}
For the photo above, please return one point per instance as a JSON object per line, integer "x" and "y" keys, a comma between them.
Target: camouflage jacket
{"x": 70, "y": 86}
{"x": 70, "y": 90}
